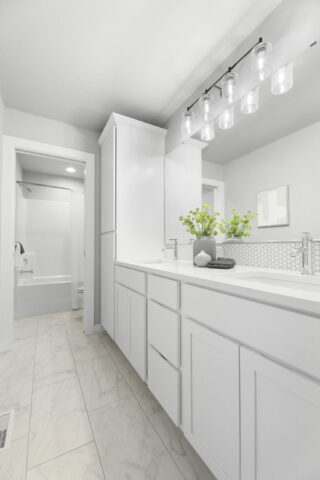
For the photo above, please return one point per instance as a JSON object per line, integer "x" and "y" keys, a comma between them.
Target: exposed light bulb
{"x": 207, "y": 132}
{"x": 187, "y": 123}
{"x": 282, "y": 79}
{"x": 229, "y": 86}
{"x": 70, "y": 170}
{"x": 250, "y": 102}
{"x": 226, "y": 119}
{"x": 206, "y": 107}
{"x": 261, "y": 58}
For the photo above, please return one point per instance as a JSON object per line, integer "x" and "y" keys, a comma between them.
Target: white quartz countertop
{"x": 285, "y": 289}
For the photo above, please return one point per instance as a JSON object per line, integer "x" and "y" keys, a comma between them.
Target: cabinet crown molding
{"x": 117, "y": 119}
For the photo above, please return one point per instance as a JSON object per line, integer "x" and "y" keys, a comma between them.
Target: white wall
{"x": 44, "y": 222}
{"x": 212, "y": 170}
{"x": 293, "y": 160}
{"x": 23, "y": 125}
{"x": 2, "y": 115}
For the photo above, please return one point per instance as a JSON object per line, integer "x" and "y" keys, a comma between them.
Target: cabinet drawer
{"x": 131, "y": 278}
{"x": 164, "y": 290}
{"x": 164, "y": 331}
{"x": 164, "y": 383}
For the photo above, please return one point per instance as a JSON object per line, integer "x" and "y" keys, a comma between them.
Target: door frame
{"x": 12, "y": 145}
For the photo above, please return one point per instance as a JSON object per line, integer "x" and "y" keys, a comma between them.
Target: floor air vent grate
{"x": 6, "y": 424}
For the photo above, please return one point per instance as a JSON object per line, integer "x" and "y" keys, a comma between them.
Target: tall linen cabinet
{"x": 132, "y": 200}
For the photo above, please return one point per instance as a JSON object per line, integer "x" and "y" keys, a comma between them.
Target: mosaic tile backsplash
{"x": 275, "y": 255}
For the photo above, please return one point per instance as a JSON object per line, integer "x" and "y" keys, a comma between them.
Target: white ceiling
{"x": 79, "y": 60}
{"x": 49, "y": 165}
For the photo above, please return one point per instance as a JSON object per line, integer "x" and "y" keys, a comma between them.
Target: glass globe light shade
{"x": 282, "y": 79}
{"x": 261, "y": 60}
{"x": 229, "y": 85}
{"x": 207, "y": 132}
{"x": 250, "y": 102}
{"x": 226, "y": 119}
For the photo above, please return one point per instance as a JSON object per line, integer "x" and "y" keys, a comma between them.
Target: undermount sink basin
{"x": 295, "y": 282}
{"x": 156, "y": 261}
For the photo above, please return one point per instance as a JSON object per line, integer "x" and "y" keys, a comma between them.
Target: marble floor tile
{"x": 128, "y": 446}
{"x": 16, "y": 394}
{"x": 101, "y": 381}
{"x": 189, "y": 462}
{"x": 19, "y": 361}
{"x": 13, "y": 460}
{"x": 74, "y": 321}
{"x": 85, "y": 347}
{"x": 25, "y": 328}
{"x": 55, "y": 336}
{"x": 106, "y": 340}
{"x": 53, "y": 365}
{"x": 116, "y": 354}
{"x": 47, "y": 322}
{"x": 80, "y": 464}
{"x": 59, "y": 421}
{"x": 140, "y": 390}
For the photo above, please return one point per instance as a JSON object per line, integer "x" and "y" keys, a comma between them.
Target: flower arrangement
{"x": 200, "y": 223}
{"x": 238, "y": 226}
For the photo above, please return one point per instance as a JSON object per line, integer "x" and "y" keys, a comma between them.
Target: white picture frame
{"x": 273, "y": 207}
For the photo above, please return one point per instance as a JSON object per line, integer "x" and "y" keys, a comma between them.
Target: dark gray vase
{"x": 207, "y": 244}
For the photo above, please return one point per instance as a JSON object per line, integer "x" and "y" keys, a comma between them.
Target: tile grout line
{"x": 32, "y": 390}
{"x": 59, "y": 456}
{"x": 84, "y": 402}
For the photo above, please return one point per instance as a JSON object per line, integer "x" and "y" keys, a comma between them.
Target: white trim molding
{"x": 12, "y": 145}
{"x": 117, "y": 119}
{"x": 219, "y": 196}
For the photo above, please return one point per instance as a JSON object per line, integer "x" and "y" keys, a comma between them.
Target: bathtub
{"x": 40, "y": 295}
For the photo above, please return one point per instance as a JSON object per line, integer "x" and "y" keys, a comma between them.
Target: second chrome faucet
{"x": 306, "y": 253}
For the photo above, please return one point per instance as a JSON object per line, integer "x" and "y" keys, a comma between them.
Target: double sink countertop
{"x": 289, "y": 290}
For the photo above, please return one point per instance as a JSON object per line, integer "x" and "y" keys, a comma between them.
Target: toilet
{"x": 80, "y": 292}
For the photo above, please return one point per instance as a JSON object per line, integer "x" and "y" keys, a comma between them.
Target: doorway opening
{"x": 49, "y": 235}
{"x": 46, "y": 234}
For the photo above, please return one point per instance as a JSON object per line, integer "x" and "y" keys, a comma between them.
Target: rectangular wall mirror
{"x": 273, "y": 207}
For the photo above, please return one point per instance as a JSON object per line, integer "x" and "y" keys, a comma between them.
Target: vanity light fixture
{"x": 229, "y": 85}
{"x": 250, "y": 102}
{"x": 187, "y": 123}
{"x": 261, "y": 60}
{"x": 226, "y": 119}
{"x": 207, "y": 132}
{"x": 206, "y": 106}
{"x": 282, "y": 79}
{"x": 71, "y": 170}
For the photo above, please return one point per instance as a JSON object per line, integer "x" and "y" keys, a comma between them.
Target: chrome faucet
{"x": 172, "y": 246}
{"x": 306, "y": 253}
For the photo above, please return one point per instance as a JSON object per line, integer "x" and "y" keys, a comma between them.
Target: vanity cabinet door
{"x": 211, "y": 403}
{"x": 131, "y": 334}
{"x": 123, "y": 319}
{"x": 138, "y": 333}
{"x": 280, "y": 421}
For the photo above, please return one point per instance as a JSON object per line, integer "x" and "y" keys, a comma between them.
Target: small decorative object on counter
{"x": 222, "y": 263}
{"x": 202, "y": 259}
{"x": 237, "y": 227}
{"x": 204, "y": 227}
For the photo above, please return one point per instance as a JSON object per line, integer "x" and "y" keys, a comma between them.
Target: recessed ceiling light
{"x": 70, "y": 170}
